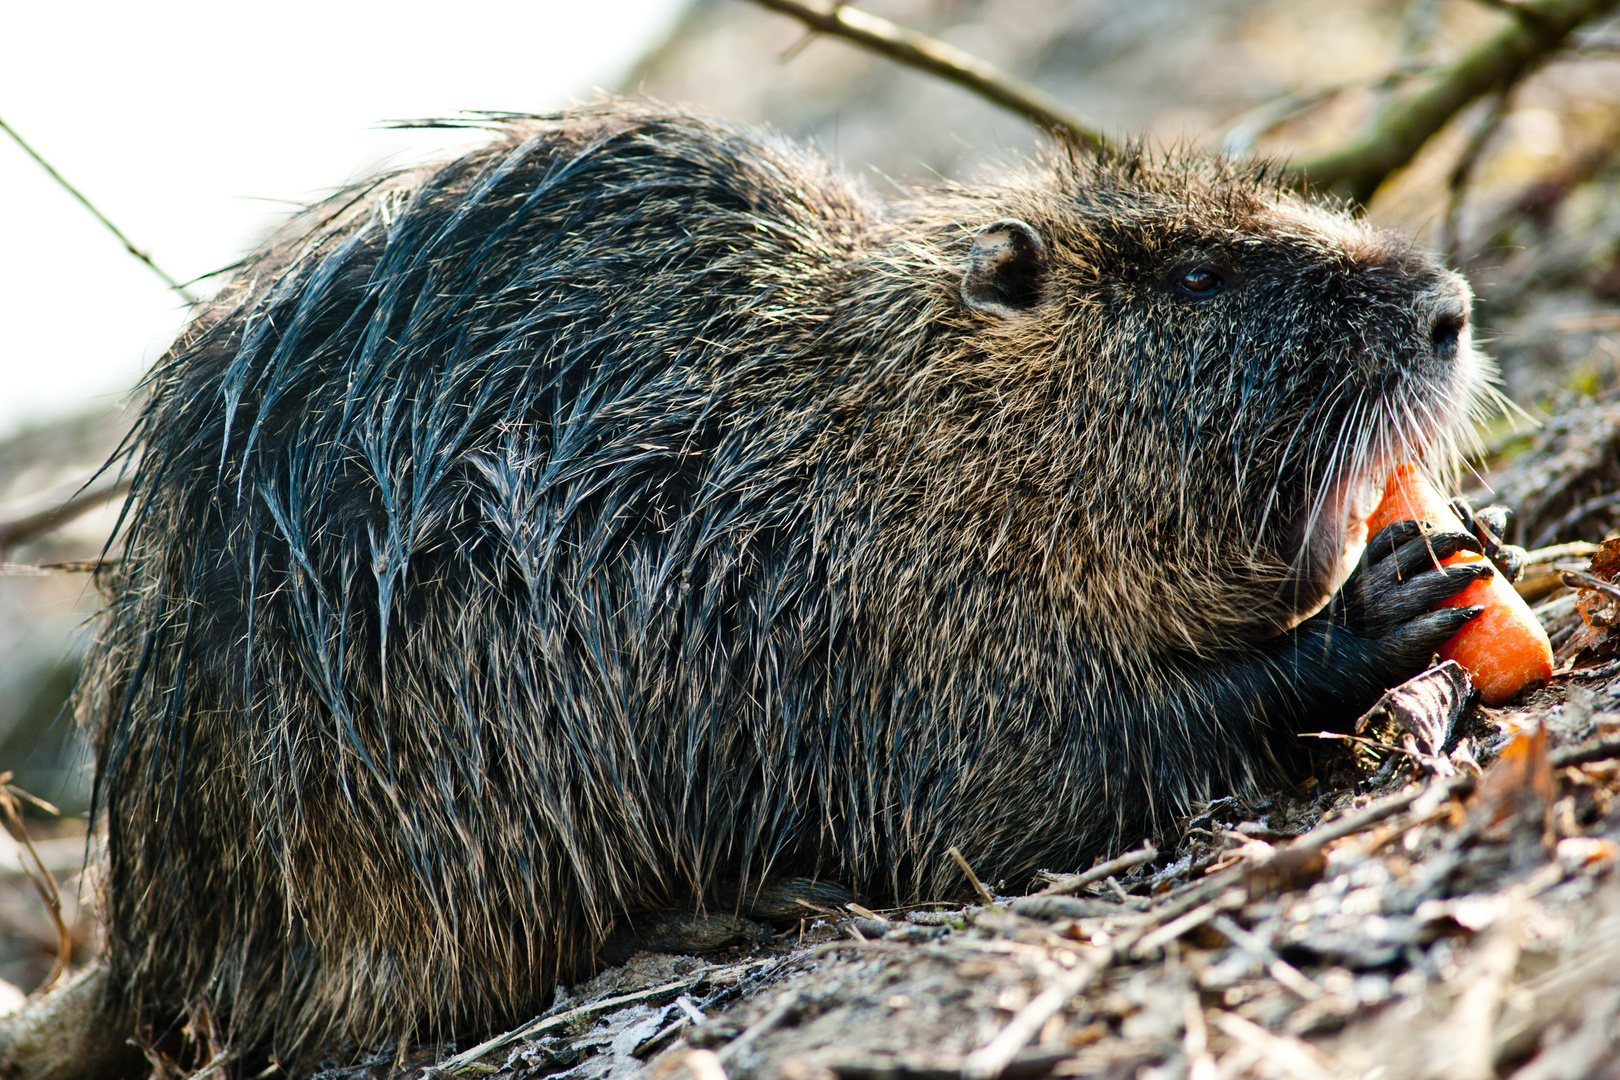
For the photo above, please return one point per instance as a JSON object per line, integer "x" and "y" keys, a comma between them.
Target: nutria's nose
{"x": 1445, "y": 332}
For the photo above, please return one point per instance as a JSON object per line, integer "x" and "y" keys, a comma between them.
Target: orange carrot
{"x": 1505, "y": 649}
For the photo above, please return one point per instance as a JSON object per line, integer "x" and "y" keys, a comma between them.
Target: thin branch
{"x": 1595, "y": 44}
{"x": 1517, "y": 8}
{"x": 72, "y": 566}
{"x": 973, "y": 879}
{"x": 1538, "y": 202}
{"x": 467, "y": 1060}
{"x": 1462, "y": 174}
{"x": 1538, "y": 29}
{"x": 25, "y": 528}
{"x": 1241, "y": 133}
{"x": 1497, "y": 63}
{"x": 1073, "y": 883}
{"x": 948, "y": 62}
{"x": 129, "y": 245}
{"x": 1602, "y": 749}
{"x": 11, "y": 800}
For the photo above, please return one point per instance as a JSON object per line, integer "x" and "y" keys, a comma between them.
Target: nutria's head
{"x": 1211, "y": 372}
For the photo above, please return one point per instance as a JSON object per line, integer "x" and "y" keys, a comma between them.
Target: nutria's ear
{"x": 1006, "y": 269}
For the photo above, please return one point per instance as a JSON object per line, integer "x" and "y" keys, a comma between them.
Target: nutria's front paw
{"x": 1388, "y": 599}
{"x": 1489, "y": 526}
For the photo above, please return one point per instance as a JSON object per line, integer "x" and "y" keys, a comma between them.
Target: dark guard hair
{"x": 633, "y": 509}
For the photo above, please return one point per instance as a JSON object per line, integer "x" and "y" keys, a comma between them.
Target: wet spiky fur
{"x": 633, "y": 508}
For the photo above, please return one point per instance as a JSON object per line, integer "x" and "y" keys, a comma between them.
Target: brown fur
{"x": 634, "y": 510}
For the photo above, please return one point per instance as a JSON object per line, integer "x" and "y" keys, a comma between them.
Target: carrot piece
{"x": 1505, "y": 649}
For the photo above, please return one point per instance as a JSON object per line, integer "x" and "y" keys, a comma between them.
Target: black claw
{"x": 1389, "y": 539}
{"x": 1400, "y": 579}
{"x": 1427, "y": 590}
{"x": 1384, "y": 624}
{"x": 1434, "y": 547}
{"x": 1446, "y": 621}
{"x": 1417, "y": 640}
{"x": 1490, "y": 525}
{"x": 1510, "y": 561}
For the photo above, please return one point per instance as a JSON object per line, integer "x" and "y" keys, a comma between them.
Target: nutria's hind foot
{"x": 70, "y": 1033}
{"x": 682, "y": 933}
{"x": 736, "y": 918}
{"x": 787, "y": 900}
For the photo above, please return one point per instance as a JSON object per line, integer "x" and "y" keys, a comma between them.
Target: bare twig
{"x": 1580, "y": 579}
{"x": 1575, "y": 549}
{"x": 1461, "y": 1047}
{"x": 1605, "y": 670}
{"x": 1497, "y": 63}
{"x": 72, "y": 566}
{"x": 779, "y": 1014}
{"x": 1539, "y": 28}
{"x": 978, "y": 886}
{"x": 1288, "y": 1055}
{"x": 1602, "y": 749}
{"x": 1072, "y": 883}
{"x": 1242, "y": 132}
{"x": 1538, "y": 202}
{"x": 1285, "y": 973}
{"x": 991, "y": 1060}
{"x": 129, "y": 245}
{"x": 704, "y": 1065}
{"x": 1197, "y": 905}
{"x": 25, "y": 528}
{"x": 1192, "y": 920}
{"x": 11, "y": 800}
{"x": 1160, "y": 926}
{"x": 1371, "y": 814}
{"x": 1200, "y": 1062}
{"x": 1462, "y": 174}
{"x": 946, "y": 61}
{"x": 1517, "y": 8}
{"x": 1595, "y": 44}
{"x": 469, "y": 1058}
{"x": 1575, "y": 516}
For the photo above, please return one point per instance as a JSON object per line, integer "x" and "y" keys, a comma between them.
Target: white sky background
{"x": 180, "y": 120}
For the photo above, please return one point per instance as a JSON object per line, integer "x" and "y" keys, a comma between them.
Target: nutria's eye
{"x": 1201, "y": 282}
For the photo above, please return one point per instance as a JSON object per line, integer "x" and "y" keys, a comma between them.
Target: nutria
{"x": 634, "y": 512}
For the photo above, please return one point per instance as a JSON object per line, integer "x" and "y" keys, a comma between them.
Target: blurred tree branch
{"x": 1535, "y": 30}
{"x": 1462, "y": 174}
{"x": 1241, "y": 133}
{"x": 946, "y": 61}
{"x": 20, "y": 530}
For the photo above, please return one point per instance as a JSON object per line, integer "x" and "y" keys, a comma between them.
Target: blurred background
{"x": 196, "y": 128}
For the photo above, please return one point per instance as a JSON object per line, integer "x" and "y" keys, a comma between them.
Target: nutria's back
{"x": 633, "y": 512}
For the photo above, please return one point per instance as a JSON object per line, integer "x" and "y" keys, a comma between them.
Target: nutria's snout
{"x": 1446, "y": 330}
{"x": 1460, "y": 375}
{"x": 1445, "y": 305}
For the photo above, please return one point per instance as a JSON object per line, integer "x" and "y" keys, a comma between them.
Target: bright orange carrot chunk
{"x": 1505, "y": 649}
